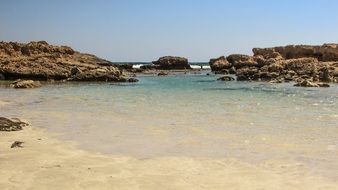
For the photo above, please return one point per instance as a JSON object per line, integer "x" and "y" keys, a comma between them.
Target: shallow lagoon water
{"x": 190, "y": 116}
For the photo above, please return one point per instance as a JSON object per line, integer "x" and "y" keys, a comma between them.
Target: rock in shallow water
{"x": 172, "y": 63}
{"x": 323, "y": 85}
{"x": 226, "y": 78}
{"x": 314, "y": 63}
{"x": 132, "y": 80}
{"x": 162, "y": 73}
{"x": 9, "y": 125}
{"x": 307, "y": 83}
{"x": 25, "y": 84}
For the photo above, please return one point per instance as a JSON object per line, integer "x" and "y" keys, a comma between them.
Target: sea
{"x": 188, "y": 115}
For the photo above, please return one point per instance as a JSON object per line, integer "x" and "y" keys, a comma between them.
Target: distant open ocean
{"x": 194, "y": 65}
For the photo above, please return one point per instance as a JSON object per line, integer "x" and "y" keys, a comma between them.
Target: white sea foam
{"x": 206, "y": 67}
{"x": 196, "y": 66}
{"x": 137, "y": 66}
{"x": 200, "y": 66}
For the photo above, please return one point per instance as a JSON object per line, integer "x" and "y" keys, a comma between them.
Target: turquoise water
{"x": 189, "y": 115}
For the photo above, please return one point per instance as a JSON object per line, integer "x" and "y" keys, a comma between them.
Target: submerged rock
{"x": 226, "y": 78}
{"x": 10, "y": 125}
{"x": 25, "y": 84}
{"x": 325, "y": 85}
{"x": 132, "y": 80}
{"x": 162, "y": 73}
{"x": 307, "y": 83}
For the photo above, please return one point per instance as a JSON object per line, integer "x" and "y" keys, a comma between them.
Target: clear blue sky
{"x": 143, "y": 30}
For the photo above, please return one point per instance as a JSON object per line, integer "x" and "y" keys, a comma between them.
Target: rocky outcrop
{"x": 239, "y": 61}
{"x": 283, "y": 64}
{"x": 171, "y": 63}
{"x": 104, "y": 74}
{"x": 234, "y": 61}
{"x": 25, "y": 84}
{"x": 41, "y": 61}
{"x": 290, "y": 70}
{"x": 247, "y": 73}
{"x": 126, "y": 66}
{"x": 10, "y": 125}
{"x": 326, "y": 52}
{"x": 219, "y": 64}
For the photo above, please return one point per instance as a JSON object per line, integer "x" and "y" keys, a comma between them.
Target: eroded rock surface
{"x": 41, "y": 61}
{"x": 283, "y": 64}
{"x": 219, "y": 64}
{"x": 326, "y": 52}
{"x": 171, "y": 63}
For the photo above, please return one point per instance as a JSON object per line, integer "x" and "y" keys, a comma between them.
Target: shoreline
{"x": 48, "y": 163}
{"x": 309, "y": 66}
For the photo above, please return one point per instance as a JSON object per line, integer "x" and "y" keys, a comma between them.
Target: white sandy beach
{"x": 47, "y": 163}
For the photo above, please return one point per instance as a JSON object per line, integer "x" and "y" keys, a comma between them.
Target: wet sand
{"x": 47, "y": 163}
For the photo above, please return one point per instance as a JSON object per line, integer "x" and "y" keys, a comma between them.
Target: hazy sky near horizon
{"x": 143, "y": 30}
